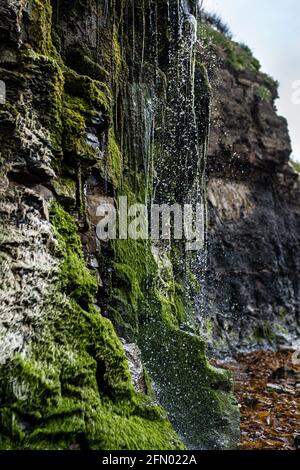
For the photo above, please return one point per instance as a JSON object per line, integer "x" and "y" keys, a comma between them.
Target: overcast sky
{"x": 271, "y": 28}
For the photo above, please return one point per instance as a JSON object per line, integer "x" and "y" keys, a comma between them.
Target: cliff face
{"x": 252, "y": 278}
{"x": 96, "y": 337}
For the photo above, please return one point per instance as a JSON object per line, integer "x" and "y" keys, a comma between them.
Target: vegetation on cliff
{"x": 253, "y": 191}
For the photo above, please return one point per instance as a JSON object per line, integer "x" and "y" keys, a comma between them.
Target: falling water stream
{"x": 162, "y": 129}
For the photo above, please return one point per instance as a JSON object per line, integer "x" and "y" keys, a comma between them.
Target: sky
{"x": 271, "y": 28}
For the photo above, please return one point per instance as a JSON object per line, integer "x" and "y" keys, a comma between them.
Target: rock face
{"x": 253, "y": 270}
{"x": 101, "y": 98}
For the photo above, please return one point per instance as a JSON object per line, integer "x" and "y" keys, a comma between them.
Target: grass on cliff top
{"x": 239, "y": 55}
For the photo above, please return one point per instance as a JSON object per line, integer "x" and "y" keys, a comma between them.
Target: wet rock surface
{"x": 134, "y": 357}
{"x": 253, "y": 271}
{"x": 102, "y": 98}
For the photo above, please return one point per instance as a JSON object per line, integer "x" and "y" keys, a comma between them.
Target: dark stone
{"x": 252, "y": 277}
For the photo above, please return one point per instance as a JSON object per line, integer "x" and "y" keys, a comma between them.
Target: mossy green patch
{"x": 73, "y": 389}
{"x": 84, "y": 99}
{"x": 95, "y": 93}
{"x": 75, "y": 278}
{"x": 144, "y": 287}
{"x": 208, "y": 328}
{"x": 264, "y": 93}
{"x": 174, "y": 358}
{"x": 264, "y": 332}
{"x": 115, "y": 159}
{"x": 41, "y": 26}
{"x": 74, "y": 128}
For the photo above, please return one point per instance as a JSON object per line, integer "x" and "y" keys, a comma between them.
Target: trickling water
{"x": 190, "y": 18}
{"x": 143, "y": 129}
{"x": 143, "y": 36}
{"x": 165, "y": 114}
{"x": 181, "y": 178}
{"x": 161, "y": 100}
{"x": 180, "y": 126}
{"x": 106, "y": 8}
{"x": 133, "y": 35}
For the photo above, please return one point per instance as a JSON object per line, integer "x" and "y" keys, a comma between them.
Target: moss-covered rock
{"x": 94, "y": 111}
{"x": 73, "y": 388}
{"x": 203, "y": 409}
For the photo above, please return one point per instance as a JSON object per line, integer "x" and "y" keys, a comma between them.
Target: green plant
{"x": 264, "y": 93}
{"x": 238, "y": 56}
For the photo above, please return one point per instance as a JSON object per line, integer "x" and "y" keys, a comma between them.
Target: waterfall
{"x": 162, "y": 116}
{"x": 180, "y": 133}
{"x": 190, "y": 18}
{"x": 162, "y": 102}
{"x": 183, "y": 148}
{"x": 106, "y": 8}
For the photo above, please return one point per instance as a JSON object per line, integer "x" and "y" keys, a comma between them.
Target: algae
{"x": 74, "y": 388}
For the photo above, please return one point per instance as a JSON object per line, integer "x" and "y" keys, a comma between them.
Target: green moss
{"x": 144, "y": 287}
{"x": 208, "y": 328}
{"x": 264, "y": 331}
{"x": 41, "y": 26}
{"x": 130, "y": 268}
{"x": 148, "y": 297}
{"x": 79, "y": 59}
{"x": 46, "y": 73}
{"x": 82, "y": 100}
{"x": 95, "y": 93}
{"x": 268, "y": 331}
{"x": 73, "y": 390}
{"x": 117, "y": 59}
{"x": 65, "y": 189}
{"x": 174, "y": 359}
{"x": 75, "y": 98}
{"x": 264, "y": 93}
{"x": 75, "y": 278}
{"x": 167, "y": 301}
{"x": 114, "y": 163}
{"x": 75, "y": 101}
{"x": 54, "y": 121}
{"x": 74, "y": 128}
{"x": 282, "y": 313}
{"x": 149, "y": 386}
{"x": 193, "y": 283}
